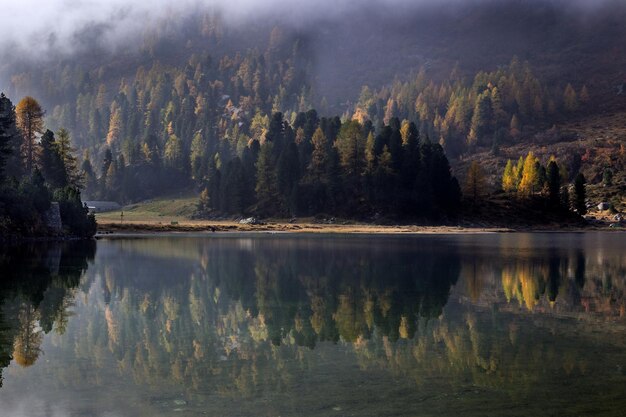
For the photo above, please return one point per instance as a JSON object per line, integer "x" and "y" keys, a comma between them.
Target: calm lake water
{"x": 301, "y": 325}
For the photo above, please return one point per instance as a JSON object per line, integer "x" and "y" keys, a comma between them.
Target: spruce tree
{"x": 8, "y": 132}
{"x": 554, "y": 183}
{"x": 268, "y": 200}
{"x": 50, "y": 162}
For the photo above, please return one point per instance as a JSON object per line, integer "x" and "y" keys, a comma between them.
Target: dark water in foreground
{"x": 241, "y": 325}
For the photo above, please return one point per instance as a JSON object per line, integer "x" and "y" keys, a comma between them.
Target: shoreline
{"x": 153, "y": 228}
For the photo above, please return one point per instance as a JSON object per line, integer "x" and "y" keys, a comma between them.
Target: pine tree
{"x": 66, "y": 152}
{"x": 481, "y": 119}
{"x": 106, "y": 164}
{"x": 554, "y": 183}
{"x": 198, "y": 157}
{"x": 351, "y": 147}
{"x": 268, "y": 200}
{"x": 173, "y": 153}
{"x": 288, "y": 176}
{"x": 319, "y": 157}
{"x": 89, "y": 177}
{"x": 50, "y": 162}
{"x": 384, "y": 178}
{"x": 8, "y": 133}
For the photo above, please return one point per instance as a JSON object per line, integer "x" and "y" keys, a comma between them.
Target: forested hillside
{"x": 329, "y": 115}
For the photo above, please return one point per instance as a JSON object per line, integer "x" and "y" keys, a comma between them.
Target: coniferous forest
{"x": 245, "y": 121}
{"x": 37, "y": 168}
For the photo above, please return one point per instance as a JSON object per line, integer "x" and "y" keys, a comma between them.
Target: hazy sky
{"x": 40, "y": 25}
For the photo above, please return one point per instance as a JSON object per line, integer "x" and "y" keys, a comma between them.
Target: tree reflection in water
{"x": 265, "y": 317}
{"x": 37, "y": 289}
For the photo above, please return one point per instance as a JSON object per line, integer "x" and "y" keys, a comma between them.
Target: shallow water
{"x": 293, "y": 325}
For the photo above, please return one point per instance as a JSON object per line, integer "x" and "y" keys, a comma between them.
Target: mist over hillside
{"x": 348, "y": 45}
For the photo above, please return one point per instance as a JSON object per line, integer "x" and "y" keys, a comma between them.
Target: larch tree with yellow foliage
{"x": 29, "y": 120}
{"x": 475, "y": 183}
{"x": 530, "y": 177}
{"x": 509, "y": 182}
{"x": 570, "y": 99}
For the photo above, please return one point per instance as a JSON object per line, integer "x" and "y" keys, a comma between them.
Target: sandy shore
{"x": 113, "y": 227}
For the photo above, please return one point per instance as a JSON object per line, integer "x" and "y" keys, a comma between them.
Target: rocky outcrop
{"x": 53, "y": 218}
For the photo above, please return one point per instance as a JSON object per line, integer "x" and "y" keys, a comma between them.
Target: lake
{"x": 315, "y": 325}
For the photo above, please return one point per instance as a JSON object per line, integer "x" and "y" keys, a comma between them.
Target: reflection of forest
{"x": 238, "y": 316}
{"x": 245, "y": 298}
{"x": 36, "y": 292}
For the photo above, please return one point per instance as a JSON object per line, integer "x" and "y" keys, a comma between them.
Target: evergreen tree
{"x": 384, "y": 178}
{"x": 231, "y": 187}
{"x": 351, "y": 146}
{"x": 66, "y": 153}
{"x": 288, "y": 176}
{"x": 89, "y": 177}
{"x": 268, "y": 200}
{"x": 198, "y": 156}
{"x": 106, "y": 164}
{"x": 213, "y": 182}
{"x": 173, "y": 153}
{"x": 50, "y": 161}
{"x": 8, "y": 134}
{"x": 554, "y": 183}
{"x": 319, "y": 157}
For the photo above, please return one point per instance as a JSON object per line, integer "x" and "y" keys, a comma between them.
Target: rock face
{"x": 251, "y": 220}
{"x": 53, "y": 218}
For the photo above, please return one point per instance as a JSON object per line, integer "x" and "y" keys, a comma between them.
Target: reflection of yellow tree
{"x": 112, "y": 326}
{"x": 347, "y": 318}
{"x": 523, "y": 283}
{"x": 27, "y": 344}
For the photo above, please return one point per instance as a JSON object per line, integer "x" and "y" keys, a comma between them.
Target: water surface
{"x": 293, "y": 325}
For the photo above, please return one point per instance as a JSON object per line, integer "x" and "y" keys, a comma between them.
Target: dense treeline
{"x": 37, "y": 168}
{"x": 322, "y": 165}
{"x": 496, "y": 107}
{"x": 529, "y": 177}
{"x": 147, "y": 135}
{"x": 209, "y": 123}
{"x": 203, "y": 127}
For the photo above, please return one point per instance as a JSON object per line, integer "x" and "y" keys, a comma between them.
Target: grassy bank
{"x": 497, "y": 214}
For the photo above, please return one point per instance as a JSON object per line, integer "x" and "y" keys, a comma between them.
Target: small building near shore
{"x": 102, "y": 206}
